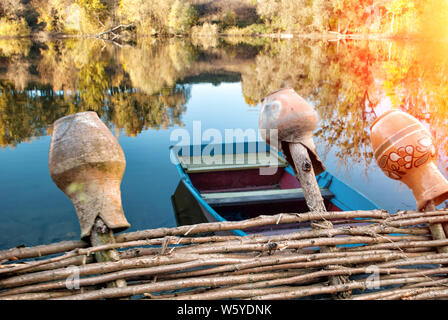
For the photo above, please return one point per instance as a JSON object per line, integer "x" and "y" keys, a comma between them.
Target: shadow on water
{"x": 145, "y": 90}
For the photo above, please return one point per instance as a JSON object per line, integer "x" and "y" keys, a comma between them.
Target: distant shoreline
{"x": 45, "y": 36}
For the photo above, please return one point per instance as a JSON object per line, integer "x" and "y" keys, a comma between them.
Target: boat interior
{"x": 238, "y": 188}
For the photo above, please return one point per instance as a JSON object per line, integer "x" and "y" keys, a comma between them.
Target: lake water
{"x": 145, "y": 91}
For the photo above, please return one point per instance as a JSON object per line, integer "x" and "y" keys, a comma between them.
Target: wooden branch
{"x": 411, "y": 293}
{"x": 238, "y": 293}
{"x": 291, "y": 262}
{"x": 331, "y": 289}
{"x": 394, "y": 294}
{"x": 37, "y": 295}
{"x": 429, "y": 283}
{"x": 174, "y": 285}
{"x": 438, "y": 258}
{"x": 430, "y": 295}
{"x": 121, "y": 26}
{"x": 73, "y": 261}
{"x": 33, "y": 265}
{"x": 413, "y": 222}
{"x": 387, "y": 244}
{"x": 295, "y": 244}
{"x": 423, "y": 272}
{"x": 43, "y": 250}
{"x": 250, "y": 223}
{"x": 405, "y": 215}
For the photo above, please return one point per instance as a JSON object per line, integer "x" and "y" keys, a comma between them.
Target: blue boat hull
{"x": 343, "y": 197}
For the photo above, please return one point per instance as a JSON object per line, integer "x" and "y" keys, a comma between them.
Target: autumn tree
{"x": 58, "y": 15}
{"x": 182, "y": 17}
{"x": 12, "y": 19}
{"x": 154, "y": 17}
{"x": 403, "y": 16}
{"x": 12, "y": 9}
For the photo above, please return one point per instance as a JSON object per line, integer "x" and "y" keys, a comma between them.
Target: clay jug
{"x": 404, "y": 150}
{"x": 87, "y": 164}
{"x": 295, "y": 121}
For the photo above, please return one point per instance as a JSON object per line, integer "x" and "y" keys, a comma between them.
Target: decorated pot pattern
{"x": 396, "y": 163}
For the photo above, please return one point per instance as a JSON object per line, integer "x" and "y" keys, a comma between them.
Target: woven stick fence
{"x": 385, "y": 256}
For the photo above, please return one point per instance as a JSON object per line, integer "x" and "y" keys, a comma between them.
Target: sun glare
{"x": 434, "y": 20}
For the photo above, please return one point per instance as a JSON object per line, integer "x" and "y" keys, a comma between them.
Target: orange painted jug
{"x": 404, "y": 150}
{"x": 295, "y": 121}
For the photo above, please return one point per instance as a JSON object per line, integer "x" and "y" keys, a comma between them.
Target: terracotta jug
{"x": 295, "y": 121}
{"x": 404, "y": 150}
{"x": 87, "y": 164}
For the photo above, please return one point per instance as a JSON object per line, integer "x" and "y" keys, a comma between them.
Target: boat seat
{"x": 242, "y": 161}
{"x": 258, "y": 196}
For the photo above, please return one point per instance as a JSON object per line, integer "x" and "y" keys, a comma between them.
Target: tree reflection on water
{"x": 61, "y": 78}
{"x": 147, "y": 85}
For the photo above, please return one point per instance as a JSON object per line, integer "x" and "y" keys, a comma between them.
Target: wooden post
{"x": 314, "y": 200}
{"x": 437, "y": 229}
{"x": 102, "y": 235}
{"x": 445, "y": 228}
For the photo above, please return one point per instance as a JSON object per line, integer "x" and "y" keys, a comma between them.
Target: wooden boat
{"x": 228, "y": 184}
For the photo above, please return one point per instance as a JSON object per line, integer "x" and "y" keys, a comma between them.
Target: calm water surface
{"x": 145, "y": 91}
